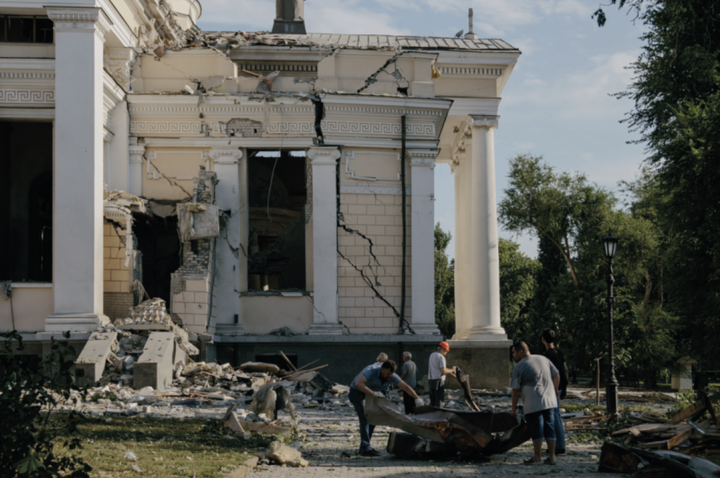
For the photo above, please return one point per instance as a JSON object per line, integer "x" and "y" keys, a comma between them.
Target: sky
{"x": 557, "y": 103}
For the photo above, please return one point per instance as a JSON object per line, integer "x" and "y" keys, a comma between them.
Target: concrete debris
{"x": 130, "y": 456}
{"x": 125, "y": 200}
{"x": 148, "y": 315}
{"x": 271, "y": 399}
{"x": 265, "y": 84}
{"x": 198, "y": 221}
{"x": 616, "y": 458}
{"x": 284, "y": 455}
{"x": 284, "y": 331}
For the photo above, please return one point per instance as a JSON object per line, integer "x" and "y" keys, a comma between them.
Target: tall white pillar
{"x": 226, "y": 163}
{"x": 324, "y": 211}
{"x": 484, "y": 257}
{"x": 78, "y": 169}
{"x": 422, "y": 165}
{"x": 461, "y": 170}
{"x": 135, "y": 167}
{"x": 119, "y": 160}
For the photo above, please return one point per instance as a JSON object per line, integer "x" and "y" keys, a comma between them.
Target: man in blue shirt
{"x": 374, "y": 380}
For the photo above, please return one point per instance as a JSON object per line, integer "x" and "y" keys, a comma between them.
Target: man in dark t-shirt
{"x": 556, "y": 357}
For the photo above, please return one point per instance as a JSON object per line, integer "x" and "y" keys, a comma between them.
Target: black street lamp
{"x": 611, "y": 388}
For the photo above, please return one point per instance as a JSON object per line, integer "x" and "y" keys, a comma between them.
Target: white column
{"x": 226, "y": 163}
{"x": 78, "y": 207}
{"x": 119, "y": 160}
{"x": 461, "y": 170}
{"x": 135, "y": 167}
{"x": 324, "y": 211}
{"x": 484, "y": 257}
{"x": 422, "y": 179}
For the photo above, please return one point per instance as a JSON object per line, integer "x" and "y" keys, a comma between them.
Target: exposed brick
{"x": 385, "y": 220}
{"x": 366, "y": 199}
{"x": 365, "y": 322}
{"x": 357, "y": 209}
{"x": 120, "y": 275}
{"x": 111, "y": 286}
{"x": 373, "y": 312}
{"x": 376, "y": 230}
{"x": 346, "y": 302}
{"x": 355, "y": 312}
{"x": 376, "y": 210}
{"x": 363, "y": 302}
{"x": 366, "y": 220}
{"x": 383, "y": 322}
{"x": 196, "y": 286}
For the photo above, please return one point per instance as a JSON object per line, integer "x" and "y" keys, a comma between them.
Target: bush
{"x": 31, "y": 390}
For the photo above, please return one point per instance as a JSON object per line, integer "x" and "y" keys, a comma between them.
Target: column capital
{"x": 80, "y": 19}
{"x": 423, "y": 157}
{"x": 323, "y": 155}
{"x": 484, "y": 121}
{"x": 136, "y": 152}
{"x": 230, "y": 155}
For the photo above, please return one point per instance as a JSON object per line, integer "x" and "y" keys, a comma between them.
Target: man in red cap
{"x": 436, "y": 374}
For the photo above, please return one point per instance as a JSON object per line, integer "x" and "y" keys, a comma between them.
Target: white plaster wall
{"x": 31, "y": 303}
{"x": 268, "y": 313}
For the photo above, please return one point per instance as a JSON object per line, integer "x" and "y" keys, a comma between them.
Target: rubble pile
{"x": 151, "y": 313}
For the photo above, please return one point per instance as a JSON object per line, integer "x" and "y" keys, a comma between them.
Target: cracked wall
{"x": 379, "y": 217}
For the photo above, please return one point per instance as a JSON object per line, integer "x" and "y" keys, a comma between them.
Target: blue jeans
{"x": 356, "y": 397}
{"x": 542, "y": 424}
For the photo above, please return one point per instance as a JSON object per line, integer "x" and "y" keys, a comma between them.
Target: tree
{"x": 517, "y": 289}
{"x": 444, "y": 284}
{"x": 676, "y": 97}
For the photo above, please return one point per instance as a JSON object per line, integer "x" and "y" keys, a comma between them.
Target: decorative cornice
{"x": 484, "y": 121}
{"x": 80, "y": 19}
{"x": 465, "y": 71}
{"x": 423, "y": 157}
{"x": 349, "y": 188}
{"x": 230, "y": 155}
{"x": 323, "y": 155}
{"x": 26, "y": 75}
{"x": 374, "y": 128}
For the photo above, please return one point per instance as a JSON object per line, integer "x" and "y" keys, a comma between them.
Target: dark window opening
{"x": 276, "y": 359}
{"x": 277, "y": 193}
{"x": 158, "y": 241}
{"x": 26, "y": 200}
{"x": 26, "y": 29}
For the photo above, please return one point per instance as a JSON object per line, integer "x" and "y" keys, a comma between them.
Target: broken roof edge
{"x": 363, "y": 41}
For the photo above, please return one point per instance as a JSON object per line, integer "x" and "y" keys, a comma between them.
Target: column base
{"x": 327, "y": 329}
{"x": 486, "y": 361}
{"x": 486, "y": 333}
{"x": 75, "y": 322}
{"x": 425, "y": 329}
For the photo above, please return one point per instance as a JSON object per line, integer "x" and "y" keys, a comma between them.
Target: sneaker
{"x": 560, "y": 452}
{"x": 370, "y": 453}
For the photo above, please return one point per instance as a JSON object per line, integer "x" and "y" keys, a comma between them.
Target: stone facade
{"x": 379, "y": 218}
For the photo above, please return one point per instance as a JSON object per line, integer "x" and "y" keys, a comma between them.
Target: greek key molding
{"x": 351, "y": 127}
{"x": 16, "y": 95}
{"x": 347, "y": 188}
{"x": 173, "y": 127}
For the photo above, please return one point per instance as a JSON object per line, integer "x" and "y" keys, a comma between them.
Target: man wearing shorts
{"x": 536, "y": 379}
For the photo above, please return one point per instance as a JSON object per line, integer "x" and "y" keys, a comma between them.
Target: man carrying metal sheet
{"x": 374, "y": 380}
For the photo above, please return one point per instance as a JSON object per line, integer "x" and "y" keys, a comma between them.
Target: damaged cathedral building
{"x": 268, "y": 190}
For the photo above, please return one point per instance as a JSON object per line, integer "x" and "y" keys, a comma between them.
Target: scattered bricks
{"x": 155, "y": 366}
{"x": 90, "y": 364}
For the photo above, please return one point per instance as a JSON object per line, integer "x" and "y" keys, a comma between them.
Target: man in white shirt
{"x": 437, "y": 369}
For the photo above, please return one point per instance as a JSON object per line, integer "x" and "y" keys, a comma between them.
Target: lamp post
{"x": 611, "y": 389}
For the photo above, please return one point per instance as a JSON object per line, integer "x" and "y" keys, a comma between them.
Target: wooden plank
{"x": 691, "y": 412}
{"x": 679, "y": 438}
{"x": 288, "y": 361}
{"x": 654, "y": 445}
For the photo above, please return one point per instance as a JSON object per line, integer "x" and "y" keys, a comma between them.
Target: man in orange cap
{"x": 436, "y": 374}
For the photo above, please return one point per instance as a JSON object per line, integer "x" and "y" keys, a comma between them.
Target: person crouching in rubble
{"x": 373, "y": 381}
{"x": 437, "y": 369}
{"x": 536, "y": 379}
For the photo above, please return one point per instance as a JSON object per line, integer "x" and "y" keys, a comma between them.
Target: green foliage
{"x": 31, "y": 389}
{"x": 444, "y": 284}
{"x": 676, "y": 95}
{"x": 517, "y": 289}
{"x": 571, "y": 216}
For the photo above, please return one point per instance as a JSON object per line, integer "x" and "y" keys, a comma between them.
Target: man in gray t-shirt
{"x": 536, "y": 379}
{"x": 408, "y": 372}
